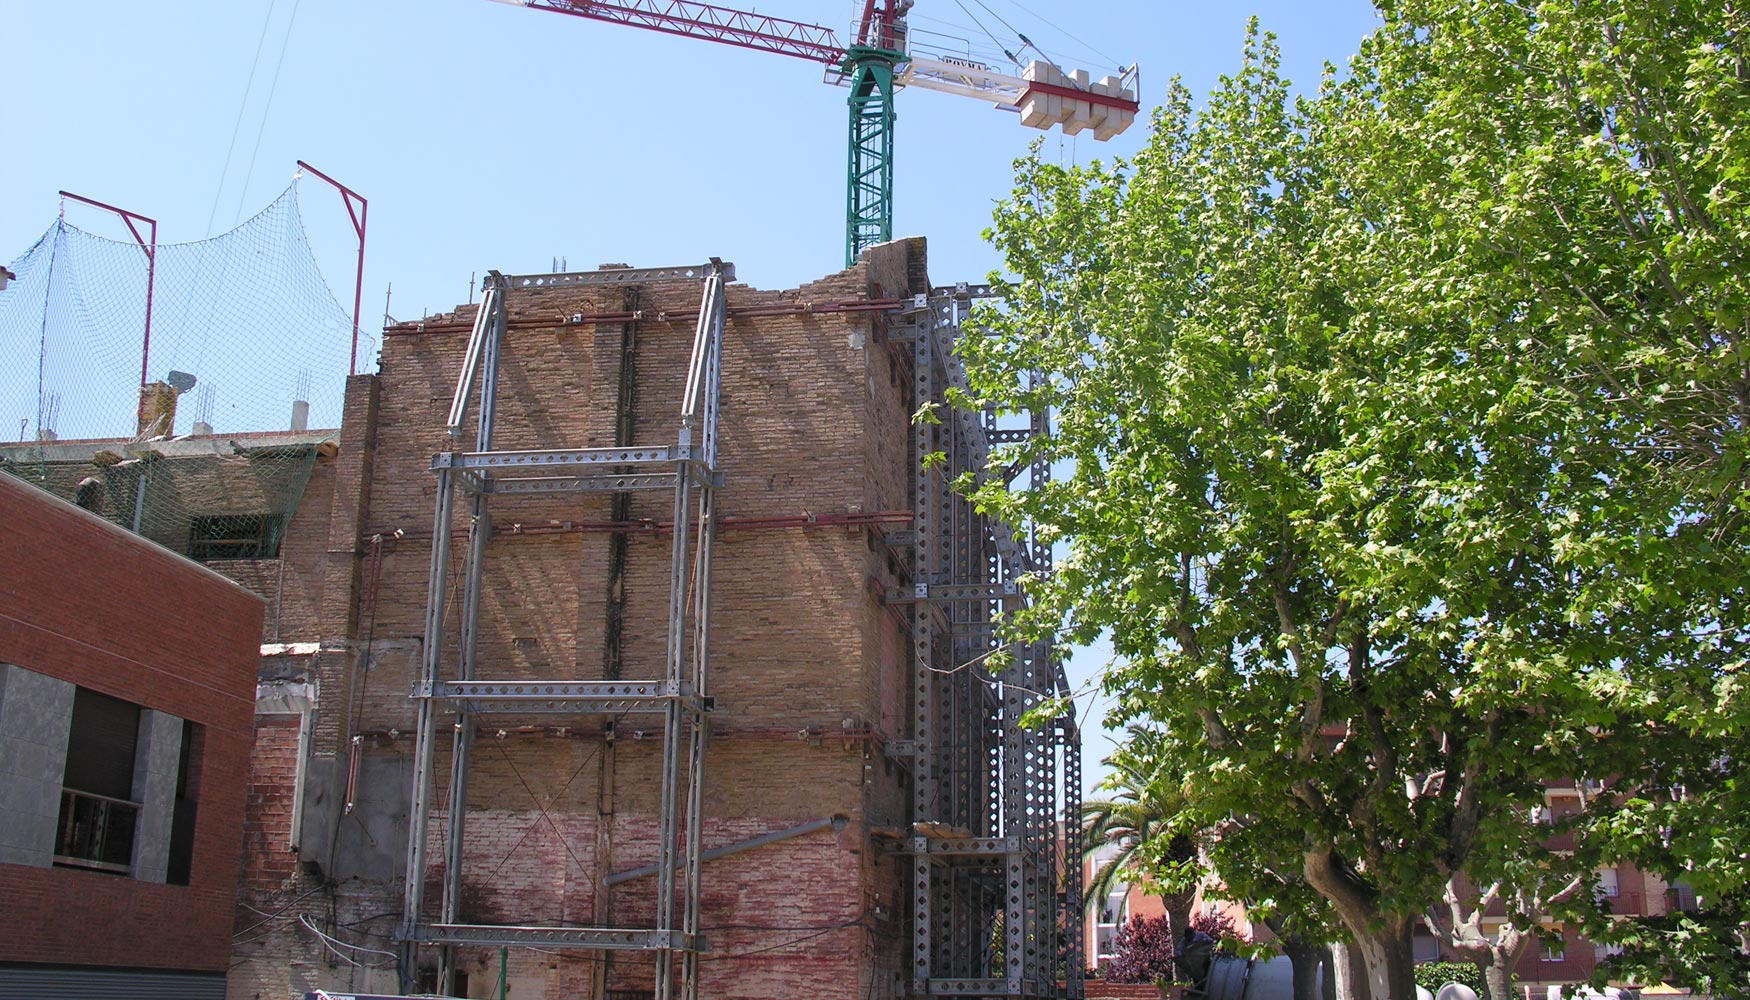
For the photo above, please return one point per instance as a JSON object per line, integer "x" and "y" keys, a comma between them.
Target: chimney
{"x": 157, "y": 410}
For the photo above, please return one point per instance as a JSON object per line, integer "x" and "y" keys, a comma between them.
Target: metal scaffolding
{"x": 994, "y": 879}
{"x": 680, "y": 699}
{"x": 995, "y": 883}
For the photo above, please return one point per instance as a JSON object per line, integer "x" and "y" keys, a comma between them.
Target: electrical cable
{"x": 291, "y": 22}
{"x": 242, "y": 106}
{"x": 334, "y": 944}
{"x": 761, "y": 951}
{"x": 279, "y": 912}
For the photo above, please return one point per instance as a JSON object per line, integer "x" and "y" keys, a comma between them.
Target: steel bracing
{"x": 680, "y": 700}
{"x": 995, "y": 884}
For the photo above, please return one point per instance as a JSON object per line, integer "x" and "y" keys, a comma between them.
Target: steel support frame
{"x": 987, "y": 861}
{"x": 681, "y": 697}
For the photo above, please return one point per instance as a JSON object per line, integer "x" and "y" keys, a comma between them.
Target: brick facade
{"x": 807, "y": 664}
{"x": 87, "y": 603}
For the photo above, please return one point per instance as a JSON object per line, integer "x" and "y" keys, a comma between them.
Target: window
{"x": 188, "y": 780}
{"x": 1607, "y": 884}
{"x": 1113, "y": 912}
{"x": 1554, "y": 948}
{"x": 98, "y": 811}
{"x": 234, "y": 536}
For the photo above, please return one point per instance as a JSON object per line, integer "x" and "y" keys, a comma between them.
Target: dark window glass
{"x": 188, "y": 780}
{"x": 100, "y": 747}
{"x": 234, "y": 536}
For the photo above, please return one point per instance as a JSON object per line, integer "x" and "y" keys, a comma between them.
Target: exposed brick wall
{"x": 269, "y": 865}
{"x": 89, "y": 603}
{"x": 814, "y": 420}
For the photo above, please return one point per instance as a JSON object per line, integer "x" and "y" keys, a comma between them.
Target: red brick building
{"x": 127, "y": 687}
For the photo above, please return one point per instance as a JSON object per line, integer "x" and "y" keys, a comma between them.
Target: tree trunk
{"x": 1388, "y": 959}
{"x": 1380, "y": 944}
{"x": 1498, "y": 979}
{"x": 1349, "y": 979}
{"x": 1178, "y": 907}
{"x": 1304, "y": 956}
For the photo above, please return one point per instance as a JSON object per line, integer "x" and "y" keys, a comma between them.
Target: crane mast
{"x": 870, "y": 63}
{"x": 876, "y": 65}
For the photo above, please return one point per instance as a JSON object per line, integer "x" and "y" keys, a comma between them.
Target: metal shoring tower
{"x": 986, "y": 792}
{"x": 680, "y": 697}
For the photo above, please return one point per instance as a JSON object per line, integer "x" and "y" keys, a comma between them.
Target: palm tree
{"x": 1137, "y": 820}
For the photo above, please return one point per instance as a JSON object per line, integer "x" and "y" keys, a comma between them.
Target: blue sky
{"x": 492, "y": 137}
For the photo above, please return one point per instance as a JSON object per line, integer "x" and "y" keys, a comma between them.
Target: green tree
{"x": 1576, "y": 172}
{"x": 1382, "y": 547}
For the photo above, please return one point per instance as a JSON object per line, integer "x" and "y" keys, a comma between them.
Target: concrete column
{"x": 36, "y": 714}
{"x": 156, "y": 757}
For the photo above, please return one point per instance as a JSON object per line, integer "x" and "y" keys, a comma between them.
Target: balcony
{"x": 96, "y": 832}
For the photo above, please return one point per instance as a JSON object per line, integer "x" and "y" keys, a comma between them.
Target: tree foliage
{"x": 1407, "y": 431}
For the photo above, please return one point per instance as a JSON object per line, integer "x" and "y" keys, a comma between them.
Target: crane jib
{"x": 711, "y": 23}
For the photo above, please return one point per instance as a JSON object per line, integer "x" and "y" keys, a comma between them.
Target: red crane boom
{"x": 701, "y": 20}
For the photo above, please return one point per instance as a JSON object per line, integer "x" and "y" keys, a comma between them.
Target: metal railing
{"x": 96, "y": 831}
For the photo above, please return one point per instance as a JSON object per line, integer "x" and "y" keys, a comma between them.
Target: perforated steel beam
{"x": 987, "y": 797}
{"x": 688, "y": 467}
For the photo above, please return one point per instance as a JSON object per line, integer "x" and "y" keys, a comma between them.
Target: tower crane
{"x": 883, "y": 58}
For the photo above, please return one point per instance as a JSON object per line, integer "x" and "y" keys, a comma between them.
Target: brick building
{"x": 127, "y": 683}
{"x": 872, "y": 820}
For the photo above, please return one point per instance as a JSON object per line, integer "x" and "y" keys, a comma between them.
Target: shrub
{"x": 1434, "y": 975}
{"x": 1143, "y": 952}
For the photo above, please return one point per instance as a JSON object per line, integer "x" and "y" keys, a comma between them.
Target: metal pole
{"x": 359, "y": 218}
{"x": 413, "y": 891}
{"x": 701, "y": 640}
{"x": 140, "y": 497}
{"x": 148, "y": 244}
{"x": 480, "y": 534}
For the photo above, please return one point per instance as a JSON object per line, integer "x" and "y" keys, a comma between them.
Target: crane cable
{"x": 1066, "y": 34}
{"x": 1005, "y": 49}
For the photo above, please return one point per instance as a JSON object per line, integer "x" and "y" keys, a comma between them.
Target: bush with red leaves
{"x": 1143, "y": 952}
